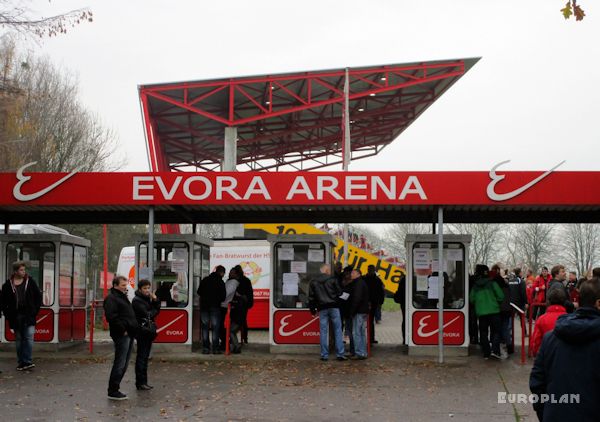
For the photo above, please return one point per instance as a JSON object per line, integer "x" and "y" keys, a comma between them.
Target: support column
{"x": 346, "y": 149}
{"x": 151, "y": 245}
{"x": 441, "y": 284}
{"x": 229, "y": 164}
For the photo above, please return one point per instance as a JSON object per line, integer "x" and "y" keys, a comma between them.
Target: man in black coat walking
{"x": 566, "y": 367}
{"x": 20, "y": 301}
{"x": 376, "y": 298}
{"x": 123, "y": 329}
{"x": 212, "y": 293}
{"x": 359, "y": 310}
{"x": 245, "y": 288}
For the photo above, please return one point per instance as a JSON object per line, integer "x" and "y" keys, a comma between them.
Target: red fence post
{"x": 523, "y": 339}
{"x": 369, "y": 334}
{"x": 227, "y": 329}
{"x": 105, "y": 287}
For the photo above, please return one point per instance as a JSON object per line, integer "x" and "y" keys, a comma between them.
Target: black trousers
{"x": 490, "y": 328}
{"x": 141, "y": 361}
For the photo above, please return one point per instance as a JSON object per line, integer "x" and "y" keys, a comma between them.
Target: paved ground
{"x": 390, "y": 386}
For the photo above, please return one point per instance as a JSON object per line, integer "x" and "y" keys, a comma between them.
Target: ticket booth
{"x": 180, "y": 262}
{"x": 297, "y": 260}
{"x": 58, "y": 263}
{"x": 423, "y": 292}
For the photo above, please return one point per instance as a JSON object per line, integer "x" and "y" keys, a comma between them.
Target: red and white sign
{"x": 295, "y": 327}
{"x": 425, "y": 328}
{"x": 44, "y": 327}
{"x": 302, "y": 188}
{"x": 172, "y": 326}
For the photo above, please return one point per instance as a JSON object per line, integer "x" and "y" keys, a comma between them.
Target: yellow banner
{"x": 390, "y": 274}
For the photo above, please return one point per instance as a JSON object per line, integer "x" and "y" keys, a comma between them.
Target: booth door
{"x": 72, "y": 293}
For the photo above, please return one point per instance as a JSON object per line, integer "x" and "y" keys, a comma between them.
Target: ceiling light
{"x": 383, "y": 78}
{"x": 372, "y": 94}
{"x": 361, "y": 109}
{"x": 267, "y": 102}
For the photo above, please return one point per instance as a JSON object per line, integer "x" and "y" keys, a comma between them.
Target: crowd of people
{"x": 346, "y": 301}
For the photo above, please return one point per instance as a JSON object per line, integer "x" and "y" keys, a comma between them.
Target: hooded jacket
{"x": 323, "y": 293}
{"x": 545, "y": 323}
{"x": 567, "y": 363}
{"x": 211, "y": 291}
{"x": 486, "y": 296}
{"x": 32, "y": 303}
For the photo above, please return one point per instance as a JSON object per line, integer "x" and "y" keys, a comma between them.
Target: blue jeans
{"x": 141, "y": 360}
{"x": 210, "y": 316}
{"x": 505, "y": 335}
{"x": 123, "y": 346}
{"x": 359, "y": 333}
{"x": 348, "y": 322}
{"x": 24, "y": 340}
{"x": 325, "y": 315}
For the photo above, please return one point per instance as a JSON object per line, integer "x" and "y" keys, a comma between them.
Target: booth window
{"x": 425, "y": 280}
{"x": 39, "y": 259}
{"x": 170, "y": 281}
{"x": 79, "y": 276}
{"x": 65, "y": 281}
{"x": 295, "y": 266}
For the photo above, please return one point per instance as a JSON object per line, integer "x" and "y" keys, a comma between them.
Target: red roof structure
{"x": 289, "y": 121}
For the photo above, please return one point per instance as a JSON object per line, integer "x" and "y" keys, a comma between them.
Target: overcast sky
{"x": 533, "y": 98}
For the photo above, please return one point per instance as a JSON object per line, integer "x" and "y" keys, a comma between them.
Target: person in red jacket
{"x": 546, "y": 322}
{"x": 529, "y": 286}
{"x": 540, "y": 285}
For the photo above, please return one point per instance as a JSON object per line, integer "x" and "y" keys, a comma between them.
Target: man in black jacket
{"x": 123, "y": 329}
{"x": 559, "y": 275}
{"x": 245, "y": 288}
{"x": 323, "y": 296}
{"x": 359, "y": 310}
{"x": 212, "y": 293}
{"x": 376, "y": 297}
{"x": 20, "y": 302}
{"x": 567, "y": 364}
{"x": 517, "y": 296}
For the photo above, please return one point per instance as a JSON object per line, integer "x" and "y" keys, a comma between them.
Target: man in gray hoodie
{"x": 324, "y": 296}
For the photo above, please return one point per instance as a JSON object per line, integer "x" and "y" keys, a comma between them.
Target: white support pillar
{"x": 441, "y": 284}
{"x": 229, "y": 164}
{"x": 150, "y": 245}
{"x": 346, "y": 149}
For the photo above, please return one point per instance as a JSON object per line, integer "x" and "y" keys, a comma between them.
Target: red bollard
{"x": 227, "y": 330}
{"x": 523, "y": 339}
{"x": 92, "y": 320}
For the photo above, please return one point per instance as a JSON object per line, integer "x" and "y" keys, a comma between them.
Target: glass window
{"x": 39, "y": 259}
{"x": 295, "y": 266}
{"x": 65, "y": 282}
{"x": 79, "y": 276}
{"x": 205, "y": 262}
{"x": 425, "y": 282}
{"x": 171, "y": 264}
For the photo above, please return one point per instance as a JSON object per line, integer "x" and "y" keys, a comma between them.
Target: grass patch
{"x": 390, "y": 306}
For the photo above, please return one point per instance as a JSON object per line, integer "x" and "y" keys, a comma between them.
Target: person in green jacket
{"x": 486, "y": 296}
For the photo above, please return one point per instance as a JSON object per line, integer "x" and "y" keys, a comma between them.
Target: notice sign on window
{"x": 316, "y": 255}
{"x": 298, "y": 267}
{"x": 285, "y": 254}
{"x": 433, "y": 288}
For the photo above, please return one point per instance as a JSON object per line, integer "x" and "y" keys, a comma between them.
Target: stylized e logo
{"x": 491, "y": 193}
{"x": 23, "y": 179}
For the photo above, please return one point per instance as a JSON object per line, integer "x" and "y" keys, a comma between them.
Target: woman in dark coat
{"x": 146, "y": 306}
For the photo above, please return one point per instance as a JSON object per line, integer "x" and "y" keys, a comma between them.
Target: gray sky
{"x": 533, "y": 98}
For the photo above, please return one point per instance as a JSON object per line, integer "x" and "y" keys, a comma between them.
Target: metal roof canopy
{"x": 292, "y": 120}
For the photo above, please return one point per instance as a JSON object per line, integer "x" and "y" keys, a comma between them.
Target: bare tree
{"x": 44, "y": 121}
{"x": 15, "y": 15}
{"x": 535, "y": 244}
{"x": 396, "y": 233}
{"x": 581, "y": 245}
{"x": 485, "y": 244}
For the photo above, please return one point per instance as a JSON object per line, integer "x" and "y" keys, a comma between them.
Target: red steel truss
{"x": 288, "y": 121}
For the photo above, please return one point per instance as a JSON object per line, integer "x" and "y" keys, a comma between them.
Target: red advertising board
{"x": 172, "y": 326}
{"x": 44, "y": 328}
{"x": 425, "y": 328}
{"x": 295, "y": 327}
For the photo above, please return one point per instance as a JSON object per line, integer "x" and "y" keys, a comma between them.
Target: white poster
{"x": 421, "y": 283}
{"x": 290, "y": 278}
{"x": 298, "y": 267}
{"x": 454, "y": 254}
{"x": 178, "y": 266}
{"x": 285, "y": 254}
{"x": 422, "y": 259}
{"x": 179, "y": 253}
{"x": 433, "y": 288}
{"x": 316, "y": 255}
{"x": 48, "y": 286}
{"x": 255, "y": 261}
{"x": 290, "y": 289}
{"x": 434, "y": 265}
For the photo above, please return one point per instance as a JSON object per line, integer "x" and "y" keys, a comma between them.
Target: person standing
{"x": 400, "y": 298}
{"x": 323, "y": 296}
{"x": 486, "y": 296}
{"x": 518, "y": 296}
{"x": 231, "y": 286}
{"x": 20, "y": 301}
{"x": 376, "y": 298}
{"x": 558, "y": 281}
{"x": 212, "y": 293}
{"x": 359, "y": 310}
{"x": 123, "y": 329}
{"x": 245, "y": 288}
{"x": 539, "y": 287}
{"x": 146, "y": 306}
{"x": 567, "y": 362}
{"x": 546, "y": 322}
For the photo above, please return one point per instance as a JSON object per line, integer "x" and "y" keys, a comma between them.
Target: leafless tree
{"x": 44, "y": 121}
{"x": 534, "y": 243}
{"x": 485, "y": 244}
{"x": 581, "y": 244}
{"x": 16, "y": 16}
{"x": 396, "y": 233}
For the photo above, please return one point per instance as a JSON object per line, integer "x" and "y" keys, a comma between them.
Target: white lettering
{"x": 299, "y": 187}
{"x": 207, "y": 188}
{"x": 222, "y": 188}
{"x": 501, "y": 397}
{"x": 257, "y": 186}
{"x": 138, "y": 186}
{"x": 174, "y": 333}
{"x": 390, "y": 192}
{"x": 168, "y": 195}
{"x": 329, "y": 188}
{"x": 412, "y": 186}
{"x": 351, "y": 186}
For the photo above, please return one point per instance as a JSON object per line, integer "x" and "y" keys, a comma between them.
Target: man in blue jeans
{"x": 20, "y": 302}
{"x": 123, "y": 329}
{"x": 212, "y": 293}
{"x": 323, "y": 296}
{"x": 359, "y": 310}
